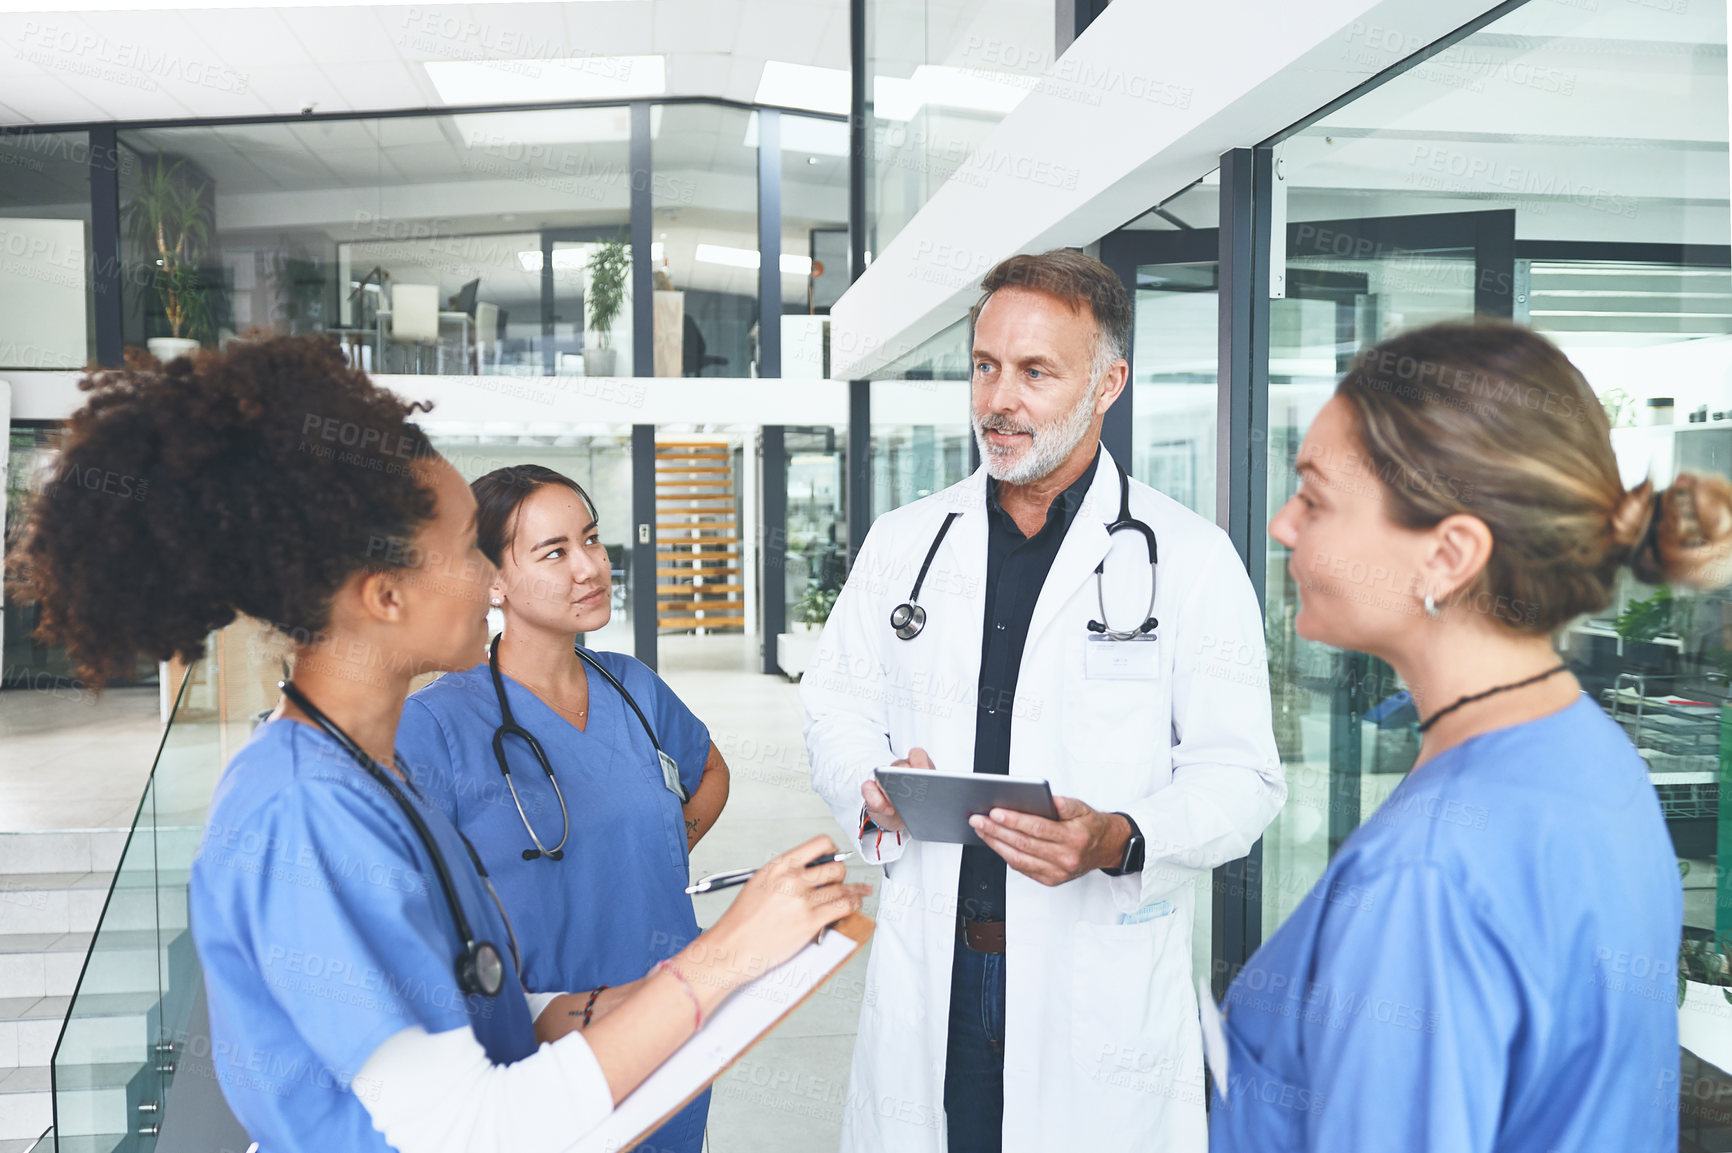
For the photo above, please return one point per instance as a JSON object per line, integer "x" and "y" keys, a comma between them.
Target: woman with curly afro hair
{"x": 329, "y": 898}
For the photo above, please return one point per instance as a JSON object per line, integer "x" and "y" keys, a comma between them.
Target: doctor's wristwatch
{"x": 1132, "y": 861}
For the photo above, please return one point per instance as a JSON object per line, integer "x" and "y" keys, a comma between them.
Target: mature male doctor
{"x": 1037, "y": 995}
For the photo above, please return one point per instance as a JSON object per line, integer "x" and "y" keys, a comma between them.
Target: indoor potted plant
{"x": 169, "y": 222}
{"x": 795, "y": 649}
{"x": 607, "y": 268}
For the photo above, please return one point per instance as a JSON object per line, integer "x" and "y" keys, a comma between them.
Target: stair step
{"x": 701, "y": 623}
{"x": 665, "y": 466}
{"x": 686, "y": 524}
{"x": 678, "y": 592}
{"x": 663, "y": 483}
{"x": 26, "y": 1103}
{"x": 42, "y": 1144}
{"x": 52, "y": 902}
{"x": 681, "y": 611}
{"x": 719, "y": 570}
{"x": 41, "y": 964}
{"x": 663, "y": 557}
{"x": 88, "y": 1143}
{"x": 76, "y": 851}
{"x": 29, "y": 1026}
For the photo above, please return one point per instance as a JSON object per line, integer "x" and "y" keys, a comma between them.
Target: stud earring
{"x": 496, "y": 602}
{"x": 1431, "y": 609}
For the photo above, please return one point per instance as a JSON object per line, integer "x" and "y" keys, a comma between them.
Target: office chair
{"x": 486, "y": 333}
{"x": 415, "y": 317}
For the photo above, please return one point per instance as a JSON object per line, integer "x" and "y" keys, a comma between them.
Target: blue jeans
{"x": 974, "y": 1066}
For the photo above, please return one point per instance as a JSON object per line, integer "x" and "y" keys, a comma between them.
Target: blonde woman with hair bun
{"x": 1489, "y": 962}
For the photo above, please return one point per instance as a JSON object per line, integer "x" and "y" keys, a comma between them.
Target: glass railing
{"x": 115, "y": 1062}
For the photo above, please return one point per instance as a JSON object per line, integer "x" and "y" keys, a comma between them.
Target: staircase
{"x": 52, "y": 889}
{"x": 699, "y": 581}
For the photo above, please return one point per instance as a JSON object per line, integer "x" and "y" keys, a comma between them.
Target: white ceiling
{"x": 85, "y": 64}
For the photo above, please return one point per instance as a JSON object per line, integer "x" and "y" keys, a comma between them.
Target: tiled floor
{"x": 784, "y": 1096}
{"x": 73, "y": 760}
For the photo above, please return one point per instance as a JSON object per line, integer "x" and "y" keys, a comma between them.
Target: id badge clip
{"x": 671, "y": 776}
{"x": 1105, "y": 659}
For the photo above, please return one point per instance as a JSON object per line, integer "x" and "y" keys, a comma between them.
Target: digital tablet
{"x": 936, "y": 806}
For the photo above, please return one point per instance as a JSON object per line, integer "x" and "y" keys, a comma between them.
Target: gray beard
{"x": 1047, "y": 448}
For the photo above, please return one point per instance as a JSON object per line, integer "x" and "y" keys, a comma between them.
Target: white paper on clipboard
{"x": 743, "y": 1019}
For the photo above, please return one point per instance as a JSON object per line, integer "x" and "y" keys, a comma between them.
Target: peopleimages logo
{"x": 82, "y": 51}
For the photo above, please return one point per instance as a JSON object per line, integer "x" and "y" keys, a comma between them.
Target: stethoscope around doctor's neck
{"x": 510, "y": 728}
{"x": 908, "y": 618}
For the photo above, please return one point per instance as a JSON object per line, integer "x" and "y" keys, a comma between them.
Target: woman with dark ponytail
{"x": 357, "y": 966}
{"x": 1489, "y": 962}
{"x": 585, "y": 815}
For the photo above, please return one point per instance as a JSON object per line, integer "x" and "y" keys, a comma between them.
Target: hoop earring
{"x": 1431, "y": 609}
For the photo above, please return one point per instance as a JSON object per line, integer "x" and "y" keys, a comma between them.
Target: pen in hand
{"x": 734, "y": 877}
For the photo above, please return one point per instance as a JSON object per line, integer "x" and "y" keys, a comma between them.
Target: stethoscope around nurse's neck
{"x": 909, "y": 618}
{"x": 480, "y": 968}
{"x": 510, "y": 728}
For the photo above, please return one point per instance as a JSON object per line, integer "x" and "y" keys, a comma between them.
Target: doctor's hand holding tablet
{"x": 1045, "y": 838}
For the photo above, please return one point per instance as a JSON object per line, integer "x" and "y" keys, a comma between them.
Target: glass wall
{"x": 1566, "y": 166}
{"x": 25, "y": 662}
{"x": 911, "y": 461}
{"x": 46, "y": 316}
{"x": 599, "y": 460}
{"x": 493, "y": 243}
{"x": 941, "y": 74}
{"x": 1169, "y": 257}
{"x": 452, "y": 244}
{"x": 814, "y": 239}
{"x": 705, "y": 206}
{"x": 817, "y": 534}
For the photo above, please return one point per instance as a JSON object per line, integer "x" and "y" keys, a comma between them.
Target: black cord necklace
{"x": 1468, "y": 700}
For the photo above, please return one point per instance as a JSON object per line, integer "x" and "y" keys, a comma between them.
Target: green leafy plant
{"x": 1620, "y": 407}
{"x": 608, "y": 266}
{"x": 168, "y": 218}
{"x": 814, "y": 605}
{"x": 1644, "y": 620}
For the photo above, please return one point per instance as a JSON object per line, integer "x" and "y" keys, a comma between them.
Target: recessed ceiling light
{"x": 573, "y": 257}
{"x": 568, "y": 78}
{"x": 790, "y": 263}
{"x": 807, "y": 134}
{"x": 804, "y": 86}
{"x": 503, "y": 134}
{"x": 946, "y": 86}
{"x": 811, "y": 160}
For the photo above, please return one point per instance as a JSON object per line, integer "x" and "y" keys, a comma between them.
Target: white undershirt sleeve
{"x": 538, "y": 1003}
{"x": 440, "y": 1093}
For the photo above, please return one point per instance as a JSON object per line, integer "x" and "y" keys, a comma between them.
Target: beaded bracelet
{"x": 589, "y": 1007}
{"x": 697, "y": 1009}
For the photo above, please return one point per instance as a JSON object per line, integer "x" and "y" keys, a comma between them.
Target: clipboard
{"x": 752, "y": 1012}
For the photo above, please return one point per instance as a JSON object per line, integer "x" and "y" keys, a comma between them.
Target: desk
{"x": 383, "y": 314}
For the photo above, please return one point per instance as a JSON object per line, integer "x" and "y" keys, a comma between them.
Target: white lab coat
{"x": 1102, "y": 1046}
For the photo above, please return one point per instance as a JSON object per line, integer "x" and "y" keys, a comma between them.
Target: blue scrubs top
{"x": 616, "y": 904}
{"x": 1489, "y": 963}
{"x": 323, "y": 931}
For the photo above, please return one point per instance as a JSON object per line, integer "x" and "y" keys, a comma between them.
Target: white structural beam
{"x": 534, "y": 405}
{"x": 1141, "y": 105}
